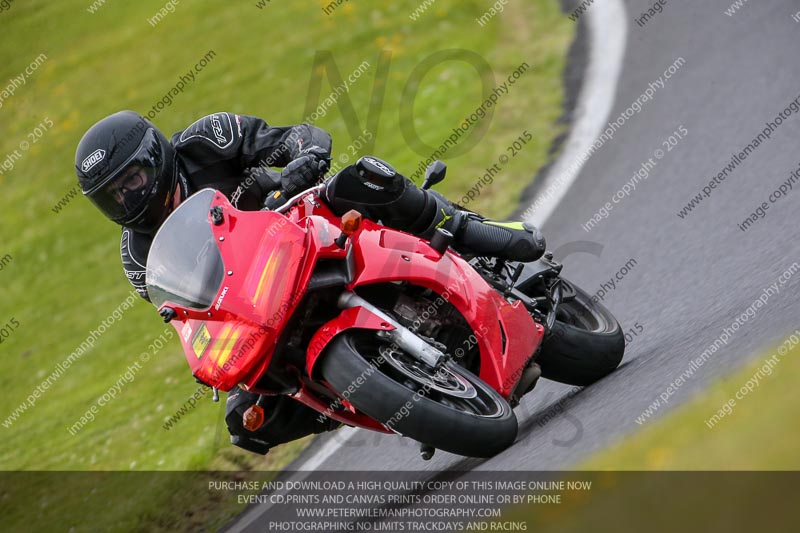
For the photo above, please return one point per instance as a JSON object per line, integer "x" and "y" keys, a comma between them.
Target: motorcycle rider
{"x": 136, "y": 177}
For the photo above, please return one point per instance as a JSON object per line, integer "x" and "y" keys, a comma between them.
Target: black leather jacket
{"x": 215, "y": 152}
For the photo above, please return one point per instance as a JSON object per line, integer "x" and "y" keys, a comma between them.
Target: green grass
{"x": 65, "y": 277}
{"x": 760, "y": 433}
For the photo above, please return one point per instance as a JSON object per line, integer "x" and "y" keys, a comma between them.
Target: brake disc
{"x": 442, "y": 380}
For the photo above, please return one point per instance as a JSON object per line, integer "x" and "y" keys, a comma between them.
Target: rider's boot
{"x": 474, "y": 234}
{"x": 285, "y": 420}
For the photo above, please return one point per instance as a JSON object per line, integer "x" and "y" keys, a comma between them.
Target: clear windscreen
{"x": 184, "y": 265}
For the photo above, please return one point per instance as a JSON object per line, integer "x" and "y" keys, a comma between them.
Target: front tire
{"x": 585, "y": 344}
{"x": 458, "y": 413}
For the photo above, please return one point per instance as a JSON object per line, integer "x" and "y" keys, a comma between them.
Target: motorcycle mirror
{"x": 434, "y": 174}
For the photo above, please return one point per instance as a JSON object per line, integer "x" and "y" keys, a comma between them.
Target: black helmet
{"x": 126, "y": 167}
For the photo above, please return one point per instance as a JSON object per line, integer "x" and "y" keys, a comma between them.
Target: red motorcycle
{"x": 368, "y": 325}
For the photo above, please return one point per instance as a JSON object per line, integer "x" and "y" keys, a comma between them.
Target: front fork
{"x": 402, "y": 336}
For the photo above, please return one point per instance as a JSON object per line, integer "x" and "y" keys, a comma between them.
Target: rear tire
{"x": 479, "y": 427}
{"x": 585, "y": 344}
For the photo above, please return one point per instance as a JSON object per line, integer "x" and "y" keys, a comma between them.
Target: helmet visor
{"x": 126, "y": 192}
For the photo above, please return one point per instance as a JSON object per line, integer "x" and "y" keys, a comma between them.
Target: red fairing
{"x": 382, "y": 255}
{"x": 232, "y": 341}
{"x": 353, "y": 317}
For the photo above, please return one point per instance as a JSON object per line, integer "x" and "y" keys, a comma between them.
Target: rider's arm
{"x": 270, "y": 146}
{"x": 264, "y": 146}
{"x": 241, "y": 142}
{"x": 225, "y": 144}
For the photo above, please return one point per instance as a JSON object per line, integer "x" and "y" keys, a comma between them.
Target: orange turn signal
{"x": 351, "y": 221}
{"x": 253, "y": 418}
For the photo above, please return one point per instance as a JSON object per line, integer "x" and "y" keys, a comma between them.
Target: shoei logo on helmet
{"x": 380, "y": 165}
{"x": 94, "y": 158}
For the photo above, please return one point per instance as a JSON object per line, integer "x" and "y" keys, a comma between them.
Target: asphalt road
{"x": 694, "y": 275}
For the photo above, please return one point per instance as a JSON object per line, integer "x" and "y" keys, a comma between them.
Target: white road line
{"x": 329, "y": 449}
{"x": 333, "y": 445}
{"x": 608, "y": 28}
{"x": 607, "y": 24}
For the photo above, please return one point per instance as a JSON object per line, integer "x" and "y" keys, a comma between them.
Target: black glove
{"x": 264, "y": 178}
{"x": 305, "y": 171}
{"x": 321, "y": 154}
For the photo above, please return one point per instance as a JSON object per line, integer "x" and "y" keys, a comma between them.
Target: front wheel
{"x": 448, "y": 408}
{"x": 585, "y": 344}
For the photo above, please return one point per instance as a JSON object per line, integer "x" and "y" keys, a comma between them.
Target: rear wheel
{"x": 585, "y": 344}
{"x": 448, "y": 408}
